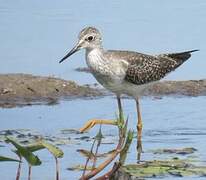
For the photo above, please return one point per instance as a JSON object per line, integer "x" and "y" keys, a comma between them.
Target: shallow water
{"x": 168, "y": 123}
{"x": 36, "y": 34}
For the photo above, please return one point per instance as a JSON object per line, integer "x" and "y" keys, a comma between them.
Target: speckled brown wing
{"x": 147, "y": 68}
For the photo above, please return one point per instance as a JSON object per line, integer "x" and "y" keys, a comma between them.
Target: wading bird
{"x": 124, "y": 72}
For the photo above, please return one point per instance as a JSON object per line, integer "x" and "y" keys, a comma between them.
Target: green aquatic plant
{"x": 160, "y": 168}
{"x": 8, "y": 159}
{"x": 27, "y": 151}
{"x": 4, "y": 158}
{"x": 124, "y": 142}
{"x": 56, "y": 152}
{"x": 24, "y": 152}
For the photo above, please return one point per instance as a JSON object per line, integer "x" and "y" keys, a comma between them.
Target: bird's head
{"x": 89, "y": 38}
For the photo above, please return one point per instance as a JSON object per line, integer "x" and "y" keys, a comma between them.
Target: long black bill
{"x": 75, "y": 49}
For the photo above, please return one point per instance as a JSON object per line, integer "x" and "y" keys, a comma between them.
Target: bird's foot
{"x": 89, "y": 124}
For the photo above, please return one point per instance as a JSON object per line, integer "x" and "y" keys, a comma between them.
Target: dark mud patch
{"x": 166, "y": 88}
{"x": 25, "y": 89}
{"x": 178, "y": 88}
{"x": 83, "y": 69}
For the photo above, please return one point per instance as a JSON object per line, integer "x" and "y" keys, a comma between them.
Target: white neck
{"x": 94, "y": 58}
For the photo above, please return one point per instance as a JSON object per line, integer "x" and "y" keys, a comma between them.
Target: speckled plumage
{"x": 144, "y": 68}
{"x": 125, "y": 72}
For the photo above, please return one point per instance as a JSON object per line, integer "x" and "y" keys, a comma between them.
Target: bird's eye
{"x": 90, "y": 38}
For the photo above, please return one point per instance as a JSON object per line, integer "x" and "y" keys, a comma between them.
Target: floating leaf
{"x": 79, "y": 168}
{"x": 58, "y": 153}
{"x": 4, "y": 158}
{"x": 163, "y": 168}
{"x": 24, "y": 152}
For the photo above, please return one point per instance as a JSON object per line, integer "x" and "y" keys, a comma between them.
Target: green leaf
{"x": 35, "y": 147}
{"x": 123, "y": 153}
{"x": 58, "y": 153}
{"x": 3, "y": 158}
{"x": 24, "y": 152}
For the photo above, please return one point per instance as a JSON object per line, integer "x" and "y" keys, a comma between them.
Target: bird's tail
{"x": 182, "y": 56}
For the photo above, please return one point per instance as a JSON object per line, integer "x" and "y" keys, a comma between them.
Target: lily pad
{"x": 161, "y": 168}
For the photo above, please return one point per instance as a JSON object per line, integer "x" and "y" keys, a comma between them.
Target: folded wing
{"x": 147, "y": 68}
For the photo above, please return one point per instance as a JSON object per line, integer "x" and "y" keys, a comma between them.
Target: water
{"x": 168, "y": 123}
{"x": 35, "y": 35}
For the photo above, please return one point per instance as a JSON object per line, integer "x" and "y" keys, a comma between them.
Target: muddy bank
{"x": 165, "y": 88}
{"x": 178, "y": 88}
{"x": 25, "y": 89}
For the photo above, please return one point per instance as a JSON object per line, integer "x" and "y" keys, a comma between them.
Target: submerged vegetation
{"x": 124, "y": 142}
{"x": 27, "y": 153}
{"x": 98, "y": 164}
{"x": 177, "y": 162}
{"x": 161, "y": 168}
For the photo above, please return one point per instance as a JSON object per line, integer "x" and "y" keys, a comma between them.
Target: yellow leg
{"x": 89, "y": 124}
{"x": 139, "y": 131}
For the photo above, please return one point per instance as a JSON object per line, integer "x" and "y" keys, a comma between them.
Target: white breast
{"x": 108, "y": 72}
{"x": 99, "y": 64}
{"x": 94, "y": 60}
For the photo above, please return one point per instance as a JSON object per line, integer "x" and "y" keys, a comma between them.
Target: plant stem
{"x": 19, "y": 169}
{"x": 29, "y": 177}
{"x": 107, "y": 161}
{"x": 57, "y": 168}
{"x": 87, "y": 161}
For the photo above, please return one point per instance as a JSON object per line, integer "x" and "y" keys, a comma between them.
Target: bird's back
{"x": 144, "y": 68}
